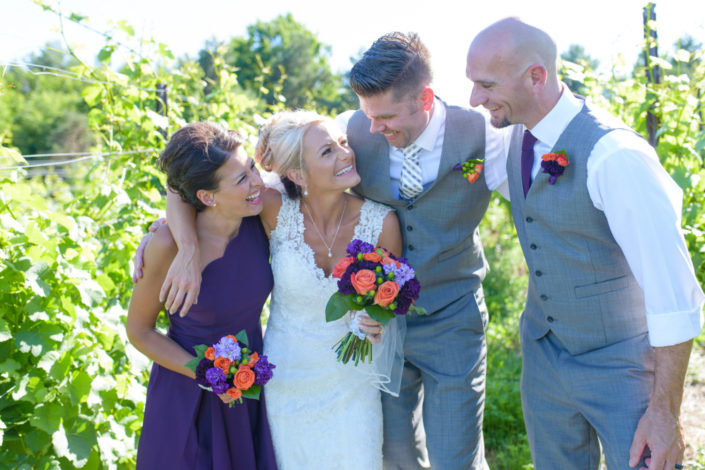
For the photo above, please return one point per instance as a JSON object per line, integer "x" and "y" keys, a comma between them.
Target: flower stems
{"x": 351, "y": 347}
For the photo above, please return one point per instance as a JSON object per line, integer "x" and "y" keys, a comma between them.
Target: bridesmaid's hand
{"x": 225, "y": 398}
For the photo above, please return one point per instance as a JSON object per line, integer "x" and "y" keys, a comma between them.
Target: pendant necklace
{"x": 340, "y": 222}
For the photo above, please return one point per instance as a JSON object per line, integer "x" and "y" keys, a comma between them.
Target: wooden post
{"x": 162, "y": 105}
{"x": 653, "y": 73}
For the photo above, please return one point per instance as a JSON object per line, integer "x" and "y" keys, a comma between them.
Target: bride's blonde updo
{"x": 280, "y": 145}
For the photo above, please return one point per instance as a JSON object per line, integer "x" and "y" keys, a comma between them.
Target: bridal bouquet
{"x": 375, "y": 280}
{"x": 230, "y": 367}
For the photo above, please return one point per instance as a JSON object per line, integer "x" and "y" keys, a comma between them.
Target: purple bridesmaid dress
{"x": 186, "y": 427}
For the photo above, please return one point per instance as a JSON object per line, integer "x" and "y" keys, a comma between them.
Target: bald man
{"x": 613, "y": 303}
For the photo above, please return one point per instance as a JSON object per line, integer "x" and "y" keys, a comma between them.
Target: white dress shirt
{"x": 643, "y": 207}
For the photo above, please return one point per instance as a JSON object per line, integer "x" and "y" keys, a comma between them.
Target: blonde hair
{"x": 280, "y": 144}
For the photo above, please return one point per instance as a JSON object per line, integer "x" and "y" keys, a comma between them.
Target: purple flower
{"x": 553, "y": 168}
{"x": 358, "y": 246}
{"x": 201, "y": 370}
{"x": 407, "y": 295}
{"x": 217, "y": 380}
{"x": 401, "y": 274}
{"x": 263, "y": 371}
{"x": 227, "y": 347}
{"x": 458, "y": 167}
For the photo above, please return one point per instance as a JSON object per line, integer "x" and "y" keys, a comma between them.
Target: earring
{"x": 213, "y": 205}
{"x": 305, "y": 190}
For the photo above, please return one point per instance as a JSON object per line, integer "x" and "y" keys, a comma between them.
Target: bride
{"x": 321, "y": 412}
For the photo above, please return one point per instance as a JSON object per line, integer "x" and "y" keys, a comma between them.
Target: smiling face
{"x": 399, "y": 120}
{"x": 329, "y": 163}
{"x": 239, "y": 192}
{"x": 498, "y": 86}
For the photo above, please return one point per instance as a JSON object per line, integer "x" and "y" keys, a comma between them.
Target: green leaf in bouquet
{"x": 379, "y": 314}
{"x": 200, "y": 350}
{"x": 418, "y": 310}
{"x": 252, "y": 392}
{"x": 193, "y": 363}
{"x": 338, "y": 305}
{"x": 242, "y": 337}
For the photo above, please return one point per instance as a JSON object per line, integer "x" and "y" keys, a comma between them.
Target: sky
{"x": 610, "y": 30}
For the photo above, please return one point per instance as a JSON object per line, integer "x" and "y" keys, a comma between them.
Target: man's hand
{"x": 138, "y": 262}
{"x": 662, "y": 433}
{"x": 182, "y": 283}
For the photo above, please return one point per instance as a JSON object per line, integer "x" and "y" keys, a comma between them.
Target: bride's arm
{"x": 390, "y": 238}
{"x": 183, "y": 280}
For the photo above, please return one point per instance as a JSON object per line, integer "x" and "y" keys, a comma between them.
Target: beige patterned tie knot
{"x": 411, "y": 182}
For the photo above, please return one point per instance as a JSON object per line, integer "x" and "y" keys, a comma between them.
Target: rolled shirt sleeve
{"x": 643, "y": 205}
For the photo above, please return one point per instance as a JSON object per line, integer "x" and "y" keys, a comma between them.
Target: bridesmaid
{"x": 184, "y": 426}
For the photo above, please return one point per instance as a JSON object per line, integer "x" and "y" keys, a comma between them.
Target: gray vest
{"x": 580, "y": 285}
{"x": 439, "y": 227}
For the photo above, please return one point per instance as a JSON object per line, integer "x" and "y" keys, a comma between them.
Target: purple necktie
{"x": 527, "y": 159}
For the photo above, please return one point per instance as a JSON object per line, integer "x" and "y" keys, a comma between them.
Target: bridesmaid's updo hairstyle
{"x": 193, "y": 156}
{"x": 280, "y": 145}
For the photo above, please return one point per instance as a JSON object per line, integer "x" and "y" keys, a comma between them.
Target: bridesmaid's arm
{"x": 390, "y": 238}
{"x": 145, "y": 307}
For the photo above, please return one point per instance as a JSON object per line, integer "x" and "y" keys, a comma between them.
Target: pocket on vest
{"x": 456, "y": 249}
{"x": 602, "y": 287}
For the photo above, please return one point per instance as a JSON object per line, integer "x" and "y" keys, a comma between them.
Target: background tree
{"x": 576, "y": 67}
{"x": 282, "y": 61}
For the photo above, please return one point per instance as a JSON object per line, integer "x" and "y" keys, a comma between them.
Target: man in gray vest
{"x": 613, "y": 303}
{"x": 407, "y": 143}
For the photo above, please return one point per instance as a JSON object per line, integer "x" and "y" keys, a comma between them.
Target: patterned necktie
{"x": 410, "y": 184}
{"x": 527, "y": 159}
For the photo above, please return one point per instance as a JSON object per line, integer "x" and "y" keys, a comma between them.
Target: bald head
{"x": 513, "y": 69}
{"x": 516, "y": 45}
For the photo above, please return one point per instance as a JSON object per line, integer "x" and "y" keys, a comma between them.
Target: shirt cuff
{"x": 668, "y": 329}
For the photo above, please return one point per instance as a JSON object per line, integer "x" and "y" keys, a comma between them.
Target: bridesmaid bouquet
{"x": 375, "y": 280}
{"x": 230, "y": 367}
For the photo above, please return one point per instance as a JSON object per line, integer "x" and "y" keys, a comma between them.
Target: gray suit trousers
{"x": 443, "y": 391}
{"x": 570, "y": 402}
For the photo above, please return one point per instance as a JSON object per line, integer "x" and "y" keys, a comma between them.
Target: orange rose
{"x": 363, "y": 281}
{"x": 342, "y": 265}
{"x": 210, "y": 354}
{"x": 562, "y": 161}
{"x": 472, "y": 177}
{"x": 374, "y": 257}
{"x": 386, "y": 293}
{"x": 244, "y": 378}
{"x": 479, "y": 167}
{"x": 234, "y": 392}
{"x": 222, "y": 363}
{"x": 388, "y": 260}
{"x": 254, "y": 357}
{"x": 549, "y": 157}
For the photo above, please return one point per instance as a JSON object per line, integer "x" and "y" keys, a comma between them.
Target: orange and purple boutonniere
{"x": 554, "y": 164}
{"x": 471, "y": 169}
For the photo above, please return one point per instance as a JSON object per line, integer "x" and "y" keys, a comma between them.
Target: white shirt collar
{"x": 427, "y": 139}
{"x": 550, "y": 128}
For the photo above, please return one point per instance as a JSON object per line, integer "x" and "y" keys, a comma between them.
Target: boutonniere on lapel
{"x": 554, "y": 164}
{"x": 471, "y": 169}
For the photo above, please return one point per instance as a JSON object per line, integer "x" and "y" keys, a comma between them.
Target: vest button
{"x": 533, "y": 246}
{"x": 409, "y": 228}
{"x": 550, "y": 319}
{"x": 544, "y": 297}
{"x": 529, "y": 219}
{"x": 539, "y": 273}
{"x": 411, "y": 247}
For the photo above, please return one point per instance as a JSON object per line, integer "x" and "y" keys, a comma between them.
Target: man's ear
{"x": 427, "y": 98}
{"x": 206, "y": 197}
{"x": 537, "y": 75}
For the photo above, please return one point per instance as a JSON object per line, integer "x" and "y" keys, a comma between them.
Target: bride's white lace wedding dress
{"x": 322, "y": 413}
